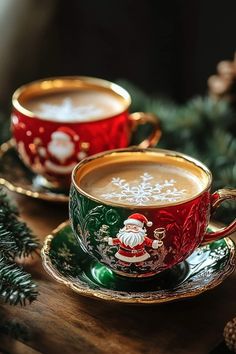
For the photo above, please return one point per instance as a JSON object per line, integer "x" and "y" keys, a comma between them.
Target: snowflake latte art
{"x": 142, "y": 183}
{"x": 75, "y": 106}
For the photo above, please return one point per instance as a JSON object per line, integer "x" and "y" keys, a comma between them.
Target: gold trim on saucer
{"x": 23, "y": 190}
{"x": 115, "y": 296}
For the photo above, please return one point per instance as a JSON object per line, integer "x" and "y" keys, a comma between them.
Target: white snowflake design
{"x": 145, "y": 192}
{"x": 67, "y": 110}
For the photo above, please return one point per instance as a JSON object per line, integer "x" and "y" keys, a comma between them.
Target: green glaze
{"x": 204, "y": 269}
{"x": 92, "y": 223}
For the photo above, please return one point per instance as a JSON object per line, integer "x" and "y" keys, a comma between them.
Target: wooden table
{"x": 61, "y": 321}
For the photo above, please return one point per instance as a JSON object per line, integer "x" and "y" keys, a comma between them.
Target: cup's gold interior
{"x": 62, "y": 84}
{"x": 129, "y": 155}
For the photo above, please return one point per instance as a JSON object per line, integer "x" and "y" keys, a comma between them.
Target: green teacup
{"x": 142, "y": 211}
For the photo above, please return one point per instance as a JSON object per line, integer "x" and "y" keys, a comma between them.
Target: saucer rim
{"x": 48, "y": 196}
{"x": 108, "y": 296}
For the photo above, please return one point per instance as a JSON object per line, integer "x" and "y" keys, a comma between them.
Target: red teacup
{"x": 56, "y": 122}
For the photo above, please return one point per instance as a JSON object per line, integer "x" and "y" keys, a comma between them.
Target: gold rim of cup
{"x": 134, "y": 154}
{"x": 60, "y": 84}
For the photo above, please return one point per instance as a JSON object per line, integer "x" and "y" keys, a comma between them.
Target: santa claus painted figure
{"x": 132, "y": 240}
{"x": 60, "y": 155}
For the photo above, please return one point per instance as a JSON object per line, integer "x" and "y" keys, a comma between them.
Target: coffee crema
{"x": 80, "y": 105}
{"x": 142, "y": 183}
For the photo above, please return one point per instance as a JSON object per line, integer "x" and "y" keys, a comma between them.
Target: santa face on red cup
{"x": 142, "y": 211}
{"x": 57, "y": 122}
{"x": 62, "y": 144}
{"x": 58, "y": 156}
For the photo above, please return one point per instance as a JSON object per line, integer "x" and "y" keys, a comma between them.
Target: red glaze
{"x": 185, "y": 226}
{"x": 34, "y": 134}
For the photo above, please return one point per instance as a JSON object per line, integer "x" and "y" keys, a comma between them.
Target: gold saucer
{"x": 16, "y": 177}
{"x": 67, "y": 263}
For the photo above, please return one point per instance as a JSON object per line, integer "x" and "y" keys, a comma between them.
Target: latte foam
{"x": 142, "y": 183}
{"x": 75, "y": 105}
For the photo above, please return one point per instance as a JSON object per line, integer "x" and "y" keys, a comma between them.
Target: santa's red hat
{"x": 138, "y": 219}
{"x": 65, "y": 133}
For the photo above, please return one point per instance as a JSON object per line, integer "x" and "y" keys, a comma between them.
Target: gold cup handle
{"x": 216, "y": 199}
{"x": 141, "y": 118}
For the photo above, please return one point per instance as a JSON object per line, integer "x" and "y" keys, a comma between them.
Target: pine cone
{"x": 227, "y": 69}
{"x": 230, "y": 334}
{"x": 223, "y": 84}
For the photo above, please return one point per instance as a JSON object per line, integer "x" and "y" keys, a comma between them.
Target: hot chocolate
{"x": 142, "y": 183}
{"x": 80, "y": 105}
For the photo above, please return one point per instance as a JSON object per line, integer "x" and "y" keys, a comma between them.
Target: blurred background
{"x": 165, "y": 47}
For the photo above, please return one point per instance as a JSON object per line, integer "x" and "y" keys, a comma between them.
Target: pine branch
{"x": 6, "y": 207}
{"x": 8, "y": 245}
{"x": 26, "y": 242}
{"x": 16, "y": 286}
{"x": 16, "y": 239}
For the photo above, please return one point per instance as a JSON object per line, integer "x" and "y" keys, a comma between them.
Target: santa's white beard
{"x": 61, "y": 150}
{"x": 131, "y": 238}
